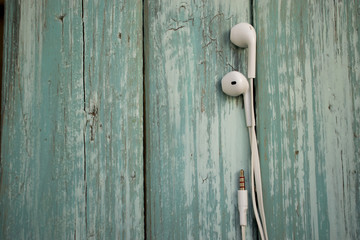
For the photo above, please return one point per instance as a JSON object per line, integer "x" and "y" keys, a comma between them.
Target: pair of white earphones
{"x": 234, "y": 84}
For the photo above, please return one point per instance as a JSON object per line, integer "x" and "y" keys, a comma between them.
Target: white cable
{"x": 253, "y": 190}
{"x": 258, "y": 182}
{"x": 243, "y": 233}
{"x": 243, "y": 206}
{"x": 256, "y": 173}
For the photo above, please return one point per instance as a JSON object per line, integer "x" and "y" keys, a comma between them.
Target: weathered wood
{"x": 42, "y": 185}
{"x": 196, "y": 137}
{"x": 308, "y": 116}
{"x": 114, "y": 129}
{"x": 72, "y": 121}
{"x": 71, "y": 139}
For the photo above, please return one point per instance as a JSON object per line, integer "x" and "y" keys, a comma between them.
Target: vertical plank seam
{"x": 144, "y": 117}
{"x": 84, "y": 96}
{"x": 1, "y": 83}
{"x": 2, "y": 101}
{"x": 255, "y": 84}
{"x": 252, "y": 22}
{"x": 83, "y": 41}
{"x": 252, "y": 13}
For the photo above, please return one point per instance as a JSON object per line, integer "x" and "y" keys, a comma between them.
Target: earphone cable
{"x": 243, "y": 235}
{"x": 258, "y": 182}
{"x": 253, "y": 198}
{"x": 255, "y": 170}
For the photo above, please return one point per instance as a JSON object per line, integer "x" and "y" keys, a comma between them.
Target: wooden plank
{"x": 308, "y": 116}
{"x": 68, "y": 167}
{"x": 196, "y": 137}
{"x": 114, "y": 129}
{"x": 42, "y": 187}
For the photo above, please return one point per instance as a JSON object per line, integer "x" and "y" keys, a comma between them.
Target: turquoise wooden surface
{"x": 71, "y": 144}
{"x": 308, "y": 100}
{"x": 196, "y": 137}
{"x": 72, "y": 119}
{"x": 114, "y": 129}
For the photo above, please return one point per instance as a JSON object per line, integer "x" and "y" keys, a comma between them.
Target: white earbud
{"x": 234, "y": 84}
{"x": 243, "y": 35}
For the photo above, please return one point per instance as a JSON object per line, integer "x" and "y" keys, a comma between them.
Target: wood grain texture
{"x": 114, "y": 128}
{"x": 71, "y": 140}
{"x": 72, "y": 119}
{"x": 308, "y": 100}
{"x": 42, "y": 185}
{"x": 196, "y": 137}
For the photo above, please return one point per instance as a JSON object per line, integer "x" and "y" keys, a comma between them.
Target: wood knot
{"x": 61, "y": 17}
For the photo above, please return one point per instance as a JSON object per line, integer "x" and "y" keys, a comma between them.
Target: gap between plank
{"x": 144, "y": 116}
{"x": 84, "y": 96}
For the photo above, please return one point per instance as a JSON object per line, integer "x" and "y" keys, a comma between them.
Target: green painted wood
{"x": 71, "y": 140}
{"x": 42, "y": 192}
{"x": 308, "y": 117}
{"x": 72, "y": 119}
{"x": 196, "y": 137}
{"x": 114, "y": 126}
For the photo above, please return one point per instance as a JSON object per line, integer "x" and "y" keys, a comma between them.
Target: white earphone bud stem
{"x": 252, "y": 61}
{"x": 247, "y": 106}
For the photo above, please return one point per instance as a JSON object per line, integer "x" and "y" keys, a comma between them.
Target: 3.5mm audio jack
{"x": 242, "y": 203}
{"x": 242, "y": 180}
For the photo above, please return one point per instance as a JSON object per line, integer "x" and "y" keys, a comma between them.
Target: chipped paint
{"x": 72, "y": 125}
{"x": 309, "y": 79}
{"x": 197, "y": 140}
{"x": 69, "y": 171}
